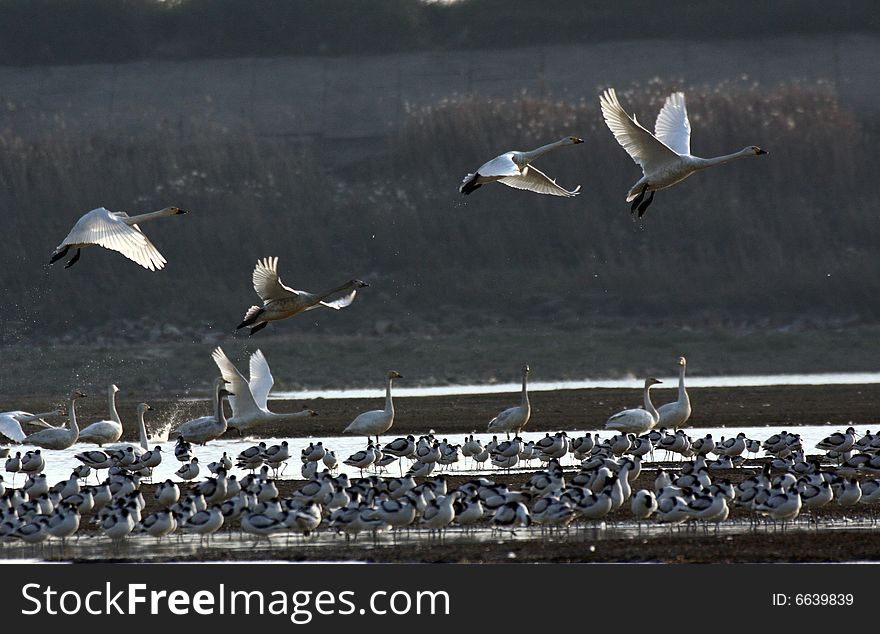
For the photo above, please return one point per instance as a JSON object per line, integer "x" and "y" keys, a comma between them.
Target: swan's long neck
{"x": 649, "y": 406}
{"x": 528, "y": 157}
{"x": 524, "y": 402}
{"x": 111, "y": 399}
{"x": 389, "y": 404}
{"x": 74, "y": 428}
{"x": 219, "y": 413}
{"x": 142, "y": 431}
{"x": 702, "y": 163}
{"x": 149, "y": 216}
{"x": 682, "y": 393}
{"x": 333, "y": 291}
{"x": 290, "y": 416}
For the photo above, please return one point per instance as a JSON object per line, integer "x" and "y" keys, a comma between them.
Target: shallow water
{"x": 226, "y": 545}
{"x": 59, "y": 464}
{"x": 744, "y": 380}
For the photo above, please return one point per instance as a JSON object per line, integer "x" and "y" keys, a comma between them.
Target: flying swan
{"x": 250, "y": 403}
{"x": 116, "y": 231}
{"x": 514, "y": 169}
{"x": 281, "y": 302}
{"x": 665, "y": 156}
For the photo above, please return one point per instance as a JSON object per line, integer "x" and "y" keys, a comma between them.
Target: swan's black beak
{"x": 760, "y": 151}
{"x": 180, "y": 212}
{"x": 577, "y": 140}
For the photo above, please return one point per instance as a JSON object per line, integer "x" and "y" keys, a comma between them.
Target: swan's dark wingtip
{"x": 470, "y": 184}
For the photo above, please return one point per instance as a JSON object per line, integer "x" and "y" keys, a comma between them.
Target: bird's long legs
{"x": 645, "y": 204}
{"x": 73, "y": 260}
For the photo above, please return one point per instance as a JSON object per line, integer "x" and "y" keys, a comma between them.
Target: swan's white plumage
{"x": 534, "y": 180}
{"x": 378, "y": 421}
{"x": 672, "y": 126}
{"x": 644, "y": 148}
{"x": 104, "y": 431}
{"x": 268, "y": 284}
{"x": 11, "y": 423}
{"x": 665, "y": 156}
{"x": 107, "y": 229}
{"x": 10, "y": 427}
{"x": 514, "y": 170}
{"x": 280, "y": 301}
{"x": 261, "y": 380}
{"x": 249, "y": 400}
{"x": 340, "y": 303}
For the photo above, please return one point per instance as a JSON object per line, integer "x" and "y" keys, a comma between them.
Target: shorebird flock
{"x": 700, "y": 482}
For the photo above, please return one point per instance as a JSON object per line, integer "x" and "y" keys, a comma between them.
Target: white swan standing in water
{"x": 201, "y": 430}
{"x": 281, "y": 302}
{"x": 676, "y": 414}
{"x": 514, "y": 169}
{"x": 665, "y": 156}
{"x": 142, "y": 447}
{"x": 104, "y": 431}
{"x": 377, "y": 421}
{"x": 58, "y": 437}
{"x": 11, "y": 422}
{"x": 117, "y": 231}
{"x": 514, "y": 419}
{"x": 250, "y": 403}
{"x": 637, "y": 421}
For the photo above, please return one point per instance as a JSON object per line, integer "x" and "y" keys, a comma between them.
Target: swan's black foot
{"x": 72, "y": 260}
{"x": 637, "y": 200}
{"x": 59, "y": 254}
{"x": 258, "y": 328}
{"x": 645, "y": 204}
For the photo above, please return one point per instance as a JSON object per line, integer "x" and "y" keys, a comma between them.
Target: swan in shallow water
{"x": 104, "y": 431}
{"x": 117, "y": 231}
{"x": 250, "y": 403}
{"x": 378, "y": 421}
{"x": 58, "y": 437}
{"x": 665, "y": 156}
{"x": 142, "y": 447}
{"x": 281, "y": 302}
{"x": 514, "y": 419}
{"x": 514, "y": 169}
{"x": 676, "y": 414}
{"x": 11, "y": 422}
{"x": 201, "y": 430}
{"x": 636, "y": 421}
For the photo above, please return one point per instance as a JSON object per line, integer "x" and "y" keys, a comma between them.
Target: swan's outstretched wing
{"x": 342, "y": 302}
{"x": 499, "y": 166}
{"x": 261, "y": 381}
{"x": 644, "y": 148}
{"x": 11, "y": 428}
{"x": 105, "y": 229}
{"x": 243, "y": 401}
{"x": 267, "y": 283}
{"x": 535, "y": 180}
{"x": 673, "y": 127}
